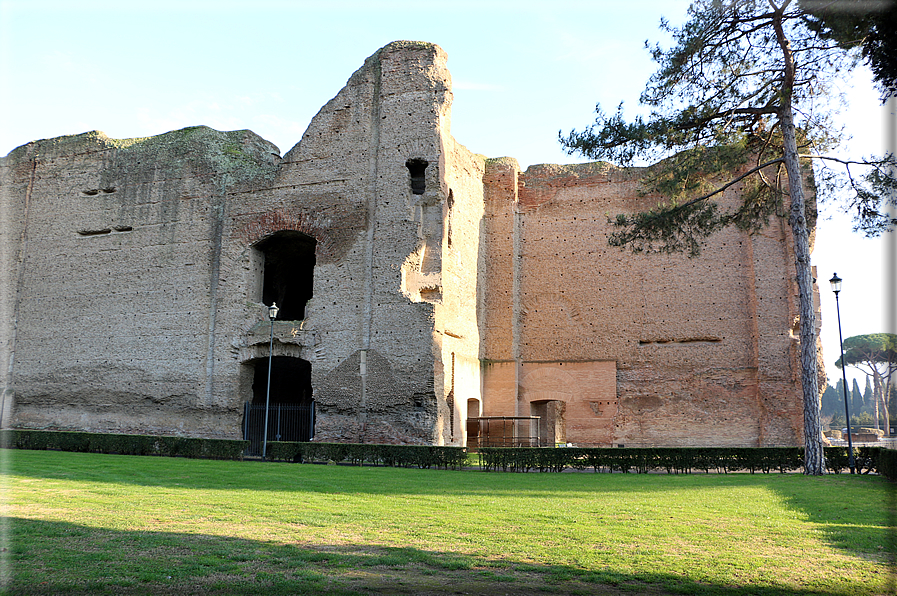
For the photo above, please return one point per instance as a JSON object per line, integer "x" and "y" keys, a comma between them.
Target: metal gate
{"x": 286, "y": 422}
{"x": 503, "y": 431}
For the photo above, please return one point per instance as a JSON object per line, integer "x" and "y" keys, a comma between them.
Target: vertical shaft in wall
{"x": 362, "y": 406}
{"x": 451, "y": 403}
{"x": 12, "y": 319}
{"x": 217, "y": 214}
{"x": 368, "y": 307}
{"x": 754, "y": 302}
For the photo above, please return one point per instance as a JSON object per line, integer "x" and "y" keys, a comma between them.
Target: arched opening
{"x": 473, "y": 408}
{"x": 291, "y": 409}
{"x": 552, "y": 423}
{"x": 287, "y": 272}
{"x": 472, "y": 424}
{"x": 290, "y": 381}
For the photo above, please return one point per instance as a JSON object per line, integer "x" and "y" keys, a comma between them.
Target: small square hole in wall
{"x": 417, "y": 170}
{"x": 431, "y": 294}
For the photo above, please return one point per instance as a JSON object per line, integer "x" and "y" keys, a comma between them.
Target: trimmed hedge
{"x": 420, "y": 456}
{"x": 123, "y": 444}
{"x": 887, "y": 464}
{"x": 865, "y": 459}
{"x": 673, "y": 460}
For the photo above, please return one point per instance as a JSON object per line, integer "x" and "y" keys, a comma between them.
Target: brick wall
{"x": 701, "y": 347}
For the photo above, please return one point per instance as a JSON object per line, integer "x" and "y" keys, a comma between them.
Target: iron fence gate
{"x": 503, "y": 431}
{"x": 286, "y": 422}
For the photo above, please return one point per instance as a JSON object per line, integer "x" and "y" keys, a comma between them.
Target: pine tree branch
{"x": 846, "y": 162}
{"x": 727, "y": 185}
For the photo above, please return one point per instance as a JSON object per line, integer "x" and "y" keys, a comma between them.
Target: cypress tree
{"x": 857, "y": 405}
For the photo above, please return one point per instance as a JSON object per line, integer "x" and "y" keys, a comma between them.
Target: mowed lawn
{"x": 105, "y": 524}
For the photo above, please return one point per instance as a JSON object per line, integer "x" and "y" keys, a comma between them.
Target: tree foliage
{"x": 869, "y": 26}
{"x": 739, "y": 101}
{"x": 876, "y": 355}
{"x": 718, "y": 99}
{"x": 833, "y": 400}
{"x": 869, "y": 351}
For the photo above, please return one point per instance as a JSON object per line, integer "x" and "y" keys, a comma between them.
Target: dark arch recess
{"x": 290, "y": 381}
{"x": 289, "y": 272}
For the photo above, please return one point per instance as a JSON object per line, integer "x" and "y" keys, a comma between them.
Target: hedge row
{"x": 420, "y": 456}
{"x": 683, "y": 460}
{"x": 123, "y": 444}
{"x": 673, "y": 460}
{"x": 887, "y": 464}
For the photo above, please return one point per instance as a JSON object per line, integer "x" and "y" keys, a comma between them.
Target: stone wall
{"x": 701, "y": 347}
{"x": 377, "y": 279}
{"x": 442, "y": 286}
{"x": 115, "y": 277}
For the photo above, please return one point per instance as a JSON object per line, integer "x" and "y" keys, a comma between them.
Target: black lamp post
{"x": 836, "y": 288}
{"x": 272, "y": 314}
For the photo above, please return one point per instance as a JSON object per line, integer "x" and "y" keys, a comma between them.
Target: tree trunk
{"x": 880, "y": 387}
{"x": 886, "y": 393}
{"x": 814, "y": 455}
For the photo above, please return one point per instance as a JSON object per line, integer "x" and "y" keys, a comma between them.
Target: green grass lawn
{"x": 106, "y": 524}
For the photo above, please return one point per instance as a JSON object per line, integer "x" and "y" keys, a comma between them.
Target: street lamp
{"x": 272, "y": 314}
{"x": 836, "y": 288}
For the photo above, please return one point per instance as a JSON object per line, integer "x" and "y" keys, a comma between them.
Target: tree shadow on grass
{"x": 64, "y": 558}
{"x": 854, "y": 514}
{"x": 863, "y": 524}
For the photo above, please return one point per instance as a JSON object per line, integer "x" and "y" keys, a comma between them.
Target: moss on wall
{"x": 241, "y": 154}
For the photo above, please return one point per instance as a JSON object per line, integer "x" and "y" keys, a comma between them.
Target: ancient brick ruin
{"x": 421, "y": 285}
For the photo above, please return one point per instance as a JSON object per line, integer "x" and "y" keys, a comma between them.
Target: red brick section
{"x": 262, "y": 225}
{"x": 657, "y": 349}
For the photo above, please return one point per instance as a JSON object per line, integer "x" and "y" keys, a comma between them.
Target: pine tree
{"x": 875, "y": 354}
{"x": 740, "y": 86}
{"x": 871, "y": 26}
{"x": 870, "y": 401}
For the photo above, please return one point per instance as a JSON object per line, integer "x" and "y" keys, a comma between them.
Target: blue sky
{"x": 521, "y": 72}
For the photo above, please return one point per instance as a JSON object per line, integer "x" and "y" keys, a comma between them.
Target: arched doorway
{"x": 290, "y": 381}
{"x": 472, "y": 423}
{"x": 291, "y": 408}
{"x": 552, "y": 423}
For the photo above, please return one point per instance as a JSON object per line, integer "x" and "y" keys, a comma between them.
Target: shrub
{"x": 420, "y": 456}
{"x": 887, "y": 464}
{"x": 673, "y": 460}
{"x": 866, "y": 459}
{"x": 124, "y": 444}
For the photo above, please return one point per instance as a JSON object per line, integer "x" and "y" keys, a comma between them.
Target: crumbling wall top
{"x": 576, "y": 170}
{"x": 241, "y": 154}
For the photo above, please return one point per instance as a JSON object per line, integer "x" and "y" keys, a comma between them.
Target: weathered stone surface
{"x": 701, "y": 347}
{"x": 444, "y": 285}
